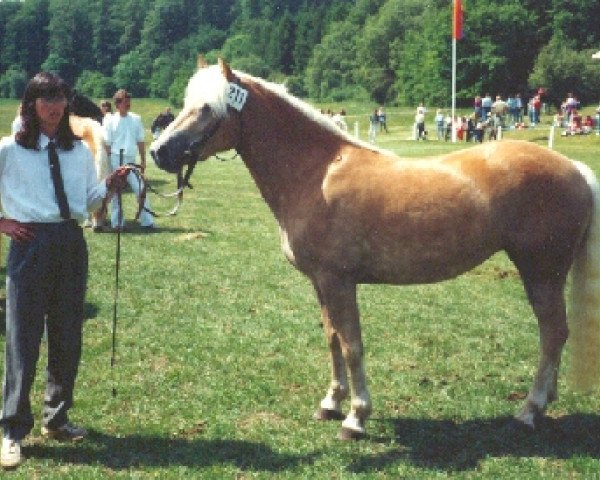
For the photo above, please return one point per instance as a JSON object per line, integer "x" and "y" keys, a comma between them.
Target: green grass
{"x": 221, "y": 359}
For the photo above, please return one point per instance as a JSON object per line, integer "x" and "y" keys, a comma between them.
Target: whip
{"x": 116, "y": 290}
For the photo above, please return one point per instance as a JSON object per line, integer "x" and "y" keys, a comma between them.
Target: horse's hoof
{"x": 325, "y": 415}
{"x": 349, "y": 434}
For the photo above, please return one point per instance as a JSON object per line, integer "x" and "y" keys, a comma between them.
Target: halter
{"x": 236, "y": 99}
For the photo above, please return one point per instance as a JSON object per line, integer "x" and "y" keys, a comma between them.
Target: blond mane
{"x": 209, "y": 86}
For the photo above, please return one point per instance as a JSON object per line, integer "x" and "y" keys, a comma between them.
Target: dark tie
{"x": 59, "y": 188}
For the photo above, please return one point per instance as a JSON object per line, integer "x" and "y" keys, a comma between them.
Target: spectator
{"x": 448, "y": 127}
{"x": 500, "y": 108}
{"x": 420, "y": 131}
{"x": 478, "y": 131}
{"x": 340, "y": 120}
{"x": 486, "y": 105}
{"x": 520, "y": 108}
{"x": 513, "y": 112}
{"x": 373, "y": 126}
{"x": 106, "y": 109}
{"x": 124, "y": 132}
{"x": 477, "y": 109}
{"x": 537, "y": 109}
{"x": 571, "y": 105}
{"x": 382, "y": 119}
{"x": 439, "y": 124}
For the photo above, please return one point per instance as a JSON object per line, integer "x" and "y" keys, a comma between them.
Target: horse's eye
{"x": 205, "y": 109}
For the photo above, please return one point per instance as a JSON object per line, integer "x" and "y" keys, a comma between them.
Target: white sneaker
{"x": 11, "y": 453}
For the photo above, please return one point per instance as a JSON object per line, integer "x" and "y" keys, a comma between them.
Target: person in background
{"x": 124, "y": 131}
{"x": 48, "y": 184}
{"x": 486, "y": 105}
{"x": 439, "y": 124}
{"x": 106, "y": 109}
{"x": 382, "y": 119}
{"x": 477, "y": 109}
{"x": 373, "y": 126}
{"x": 448, "y": 125}
{"x": 161, "y": 122}
{"x": 340, "y": 120}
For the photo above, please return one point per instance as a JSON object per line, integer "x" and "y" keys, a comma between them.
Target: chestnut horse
{"x": 350, "y": 213}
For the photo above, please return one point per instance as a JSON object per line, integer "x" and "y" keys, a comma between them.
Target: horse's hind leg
{"x": 342, "y": 327}
{"x": 547, "y": 300}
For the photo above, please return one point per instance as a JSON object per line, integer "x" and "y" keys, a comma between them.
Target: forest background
{"x": 396, "y": 52}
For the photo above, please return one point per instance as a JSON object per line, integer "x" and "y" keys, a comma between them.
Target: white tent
{"x": 596, "y": 55}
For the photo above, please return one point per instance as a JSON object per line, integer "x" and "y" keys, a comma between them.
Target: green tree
{"x": 132, "y": 73}
{"x": 281, "y": 45}
{"x": 381, "y": 31}
{"x": 13, "y": 82}
{"x": 330, "y": 69}
{"x": 70, "y": 49}
{"x": 25, "y": 38}
{"x": 576, "y": 22}
{"x": 95, "y": 84}
{"x": 561, "y": 70}
{"x": 423, "y": 75}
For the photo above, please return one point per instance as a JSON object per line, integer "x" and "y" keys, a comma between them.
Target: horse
{"x": 350, "y": 213}
{"x": 84, "y": 118}
{"x": 84, "y": 106}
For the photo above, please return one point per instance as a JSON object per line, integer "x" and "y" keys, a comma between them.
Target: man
{"x": 124, "y": 131}
{"x": 48, "y": 185}
{"x": 500, "y": 108}
{"x": 161, "y": 122}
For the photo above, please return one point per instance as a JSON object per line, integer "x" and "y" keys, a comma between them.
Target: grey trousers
{"x": 46, "y": 280}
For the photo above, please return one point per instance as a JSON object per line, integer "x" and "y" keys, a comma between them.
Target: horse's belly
{"x": 397, "y": 249}
{"x": 425, "y": 263}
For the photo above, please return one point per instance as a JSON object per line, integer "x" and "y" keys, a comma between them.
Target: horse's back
{"x": 90, "y": 131}
{"x": 532, "y": 191}
{"x": 391, "y": 220}
{"x": 396, "y": 221}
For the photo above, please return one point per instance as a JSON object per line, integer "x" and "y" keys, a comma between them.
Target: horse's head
{"x": 83, "y": 106}
{"x": 206, "y": 124}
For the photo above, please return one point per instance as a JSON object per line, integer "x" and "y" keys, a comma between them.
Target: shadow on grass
{"x": 453, "y": 446}
{"x": 153, "y": 451}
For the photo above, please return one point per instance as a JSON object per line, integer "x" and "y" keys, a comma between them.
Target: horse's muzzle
{"x": 165, "y": 161}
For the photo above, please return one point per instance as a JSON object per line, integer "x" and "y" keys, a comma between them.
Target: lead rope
{"x": 116, "y": 292}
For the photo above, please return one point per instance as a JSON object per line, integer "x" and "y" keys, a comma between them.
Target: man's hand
{"x": 18, "y": 231}
{"x": 117, "y": 180}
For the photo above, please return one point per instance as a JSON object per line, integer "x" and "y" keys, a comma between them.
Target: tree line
{"x": 385, "y": 51}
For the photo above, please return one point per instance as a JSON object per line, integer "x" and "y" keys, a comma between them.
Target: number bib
{"x": 237, "y": 96}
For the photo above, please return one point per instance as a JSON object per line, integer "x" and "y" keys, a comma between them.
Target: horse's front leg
{"x": 342, "y": 327}
{"x": 331, "y": 405}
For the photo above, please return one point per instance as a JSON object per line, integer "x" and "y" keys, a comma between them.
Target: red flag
{"x": 457, "y": 17}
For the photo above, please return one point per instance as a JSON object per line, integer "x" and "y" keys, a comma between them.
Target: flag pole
{"x": 453, "y": 114}
{"x": 457, "y": 34}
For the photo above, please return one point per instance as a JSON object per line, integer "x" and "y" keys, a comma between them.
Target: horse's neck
{"x": 286, "y": 152}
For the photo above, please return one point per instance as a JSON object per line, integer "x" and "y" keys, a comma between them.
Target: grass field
{"x": 221, "y": 359}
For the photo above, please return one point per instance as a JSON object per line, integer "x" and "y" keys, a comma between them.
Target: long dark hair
{"x": 44, "y": 85}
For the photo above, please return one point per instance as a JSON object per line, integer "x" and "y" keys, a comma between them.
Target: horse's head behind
{"x": 204, "y": 126}
{"x": 83, "y": 106}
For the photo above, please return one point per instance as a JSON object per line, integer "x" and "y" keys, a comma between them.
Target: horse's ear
{"x": 201, "y": 62}
{"x": 226, "y": 69}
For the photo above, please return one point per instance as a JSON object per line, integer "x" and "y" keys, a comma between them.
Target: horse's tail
{"x": 584, "y": 321}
